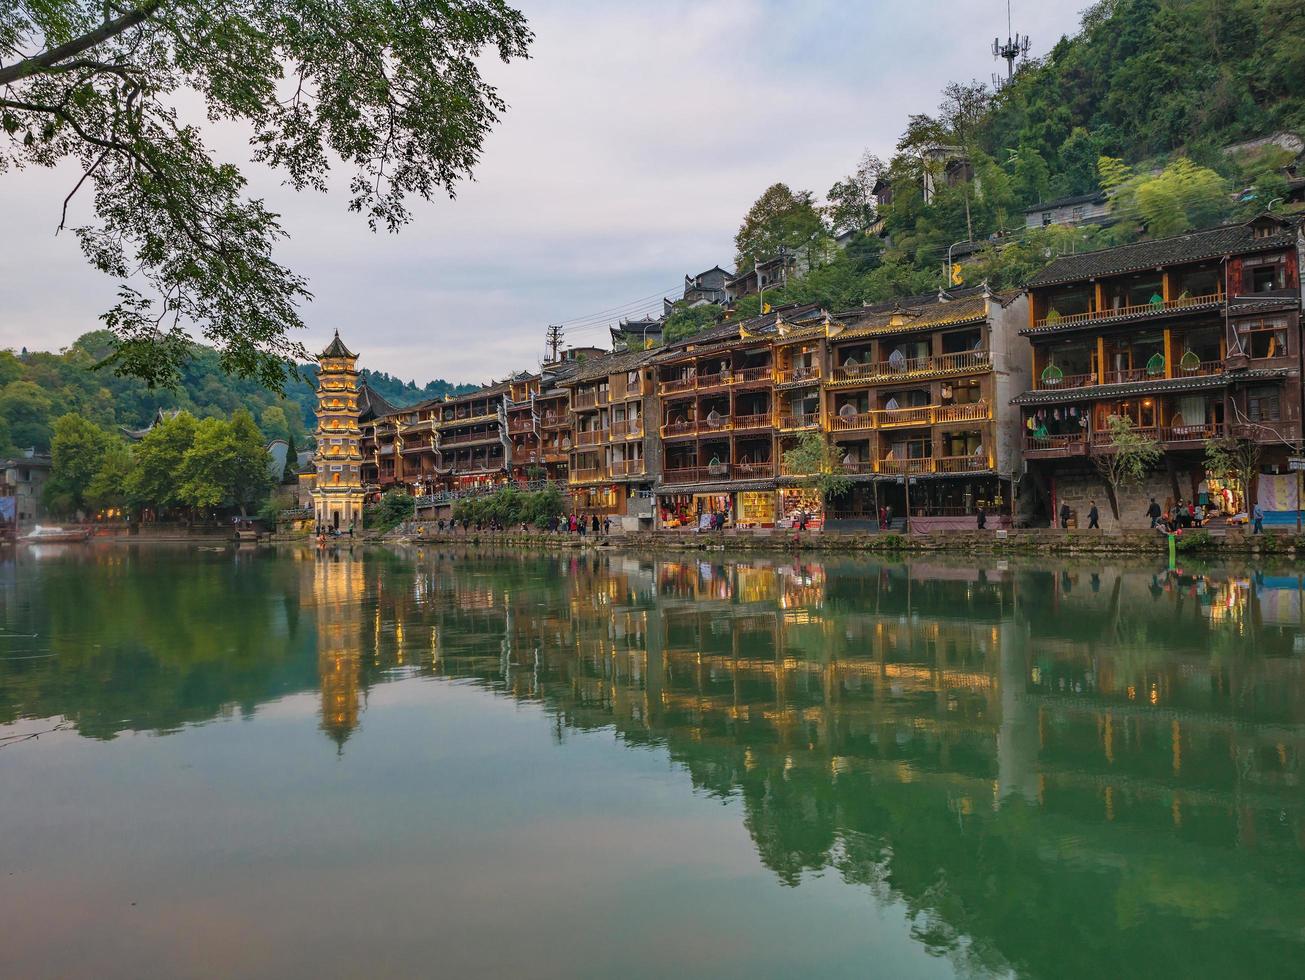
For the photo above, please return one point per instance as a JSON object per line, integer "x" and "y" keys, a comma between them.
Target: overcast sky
{"x": 637, "y": 135}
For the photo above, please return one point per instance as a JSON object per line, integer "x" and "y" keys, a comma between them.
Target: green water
{"x": 447, "y": 764}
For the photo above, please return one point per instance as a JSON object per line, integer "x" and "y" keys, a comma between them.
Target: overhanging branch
{"x": 49, "y": 59}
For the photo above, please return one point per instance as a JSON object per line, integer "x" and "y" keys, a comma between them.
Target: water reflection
{"x": 1058, "y": 770}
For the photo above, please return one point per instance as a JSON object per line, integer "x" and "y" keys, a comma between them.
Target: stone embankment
{"x": 1040, "y": 541}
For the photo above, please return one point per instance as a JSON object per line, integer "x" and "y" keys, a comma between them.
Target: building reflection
{"x": 926, "y": 728}
{"x": 337, "y": 591}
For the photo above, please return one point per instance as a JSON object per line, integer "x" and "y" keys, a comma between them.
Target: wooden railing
{"x": 467, "y": 419}
{"x": 752, "y": 471}
{"x": 672, "y": 430}
{"x": 519, "y": 426}
{"x": 467, "y": 437}
{"x": 590, "y": 475}
{"x": 1181, "y": 303}
{"x": 805, "y": 421}
{"x": 754, "y": 374}
{"x": 887, "y": 418}
{"x": 762, "y": 421}
{"x": 675, "y": 385}
{"x": 696, "y": 474}
{"x": 627, "y": 428}
{"x": 846, "y": 423}
{"x": 1077, "y": 443}
{"x": 713, "y": 380}
{"x": 973, "y": 360}
{"x": 627, "y": 467}
{"x": 590, "y": 437}
{"x": 909, "y": 467}
{"x": 554, "y": 421}
{"x": 789, "y": 375}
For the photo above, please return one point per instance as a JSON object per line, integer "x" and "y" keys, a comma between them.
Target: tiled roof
{"x": 1208, "y": 243}
{"x": 336, "y": 348}
{"x": 593, "y": 368}
{"x": 1064, "y": 202}
{"x": 1156, "y": 386}
{"x": 372, "y": 405}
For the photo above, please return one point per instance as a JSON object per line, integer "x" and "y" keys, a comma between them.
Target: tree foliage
{"x": 393, "y": 90}
{"x": 685, "y": 321}
{"x": 817, "y": 464}
{"x": 779, "y": 217}
{"x": 77, "y": 450}
{"x": 1130, "y": 454}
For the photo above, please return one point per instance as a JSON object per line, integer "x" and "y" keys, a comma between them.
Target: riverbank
{"x": 1230, "y": 542}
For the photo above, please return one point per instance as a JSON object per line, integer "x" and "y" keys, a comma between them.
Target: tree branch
{"x": 48, "y": 59}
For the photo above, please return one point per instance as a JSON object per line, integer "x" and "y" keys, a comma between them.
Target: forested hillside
{"x": 1142, "y": 102}
{"x": 38, "y": 387}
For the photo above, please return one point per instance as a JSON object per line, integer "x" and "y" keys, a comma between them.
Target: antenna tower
{"x": 1015, "y": 47}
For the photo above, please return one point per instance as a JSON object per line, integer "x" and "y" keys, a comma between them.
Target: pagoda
{"x": 337, "y": 490}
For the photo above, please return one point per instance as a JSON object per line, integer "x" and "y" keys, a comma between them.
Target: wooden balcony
{"x": 696, "y": 474}
{"x": 963, "y": 362}
{"x": 852, "y": 422}
{"x": 709, "y": 381}
{"x": 1131, "y": 375}
{"x": 469, "y": 438}
{"x": 934, "y": 464}
{"x": 581, "y": 400}
{"x": 467, "y": 418}
{"x": 753, "y": 471}
{"x": 755, "y": 376}
{"x": 521, "y": 426}
{"x": 627, "y": 467}
{"x": 889, "y": 418}
{"x": 1142, "y": 309}
{"x": 679, "y": 430}
{"x": 593, "y": 474}
{"x": 629, "y": 429}
{"x": 676, "y": 385}
{"x": 744, "y": 422}
{"x": 558, "y": 421}
{"x": 798, "y": 375}
{"x": 791, "y": 423}
{"x": 1081, "y": 443}
{"x": 589, "y": 437}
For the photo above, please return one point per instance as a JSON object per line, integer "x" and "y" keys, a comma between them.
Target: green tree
{"x": 685, "y": 321}
{"x": 274, "y": 423}
{"x": 77, "y": 450}
{"x": 394, "y": 90}
{"x": 395, "y": 507}
{"x": 206, "y": 466}
{"x": 158, "y": 473}
{"x": 28, "y": 410}
{"x": 779, "y": 217}
{"x": 817, "y": 464}
{"x": 108, "y": 487}
{"x": 250, "y": 478}
{"x": 1128, "y": 455}
{"x": 851, "y": 204}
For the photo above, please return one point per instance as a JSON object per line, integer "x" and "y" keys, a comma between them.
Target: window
{"x": 1046, "y": 218}
{"x": 1262, "y": 405}
{"x": 1262, "y": 274}
{"x": 1265, "y": 337}
{"x": 1077, "y": 215}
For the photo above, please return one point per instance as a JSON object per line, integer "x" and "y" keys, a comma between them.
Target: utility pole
{"x": 554, "y": 341}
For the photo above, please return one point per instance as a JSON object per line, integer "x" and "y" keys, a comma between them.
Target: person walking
{"x": 982, "y": 518}
{"x": 1257, "y": 514}
{"x": 607, "y": 526}
{"x": 1153, "y": 512}
{"x": 594, "y": 525}
{"x": 1094, "y": 517}
{"x": 1064, "y": 516}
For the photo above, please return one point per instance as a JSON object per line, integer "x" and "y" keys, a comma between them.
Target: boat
{"x": 45, "y": 534}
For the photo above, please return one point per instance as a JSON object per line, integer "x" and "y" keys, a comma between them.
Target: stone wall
{"x": 1079, "y": 486}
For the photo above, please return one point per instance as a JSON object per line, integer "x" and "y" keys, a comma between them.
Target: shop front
{"x": 799, "y": 506}
{"x": 757, "y": 508}
{"x": 606, "y": 499}
{"x": 694, "y": 510}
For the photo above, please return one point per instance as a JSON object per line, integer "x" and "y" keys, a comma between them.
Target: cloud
{"x": 636, "y": 138}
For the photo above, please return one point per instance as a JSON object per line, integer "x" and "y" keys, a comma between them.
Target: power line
{"x": 613, "y": 309}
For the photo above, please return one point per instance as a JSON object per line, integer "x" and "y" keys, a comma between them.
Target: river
{"x": 447, "y": 763}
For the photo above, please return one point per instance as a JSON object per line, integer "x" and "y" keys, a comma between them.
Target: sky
{"x": 637, "y": 136}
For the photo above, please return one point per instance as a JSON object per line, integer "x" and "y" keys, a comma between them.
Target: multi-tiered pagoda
{"x": 338, "y": 492}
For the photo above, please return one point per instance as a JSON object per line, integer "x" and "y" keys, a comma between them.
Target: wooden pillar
{"x": 1165, "y": 286}
{"x": 1101, "y": 360}
{"x": 1169, "y": 349}
{"x": 1098, "y": 298}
